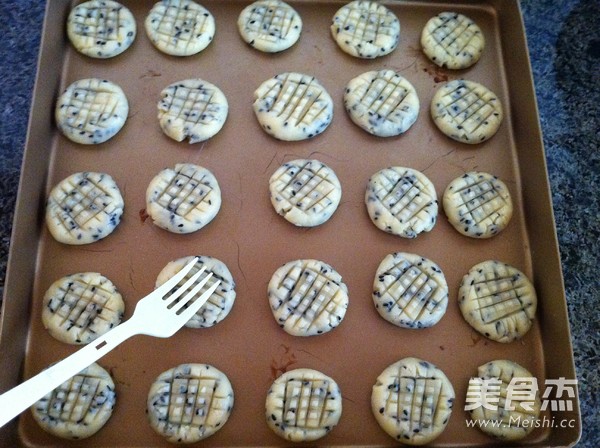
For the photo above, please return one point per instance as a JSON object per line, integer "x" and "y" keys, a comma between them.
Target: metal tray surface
{"x": 254, "y": 241}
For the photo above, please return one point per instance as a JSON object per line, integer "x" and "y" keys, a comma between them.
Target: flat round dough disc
{"x": 293, "y": 106}
{"x": 410, "y": 291}
{"x": 452, "y": 40}
{"x": 101, "y": 28}
{"x": 506, "y": 424}
{"x": 79, "y": 308}
{"x": 193, "y": 109}
{"x": 401, "y": 201}
{"x": 478, "y": 204}
{"x": 79, "y": 407}
{"x": 466, "y": 111}
{"x": 383, "y": 103}
{"x": 220, "y": 303}
{"x": 497, "y": 300}
{"x": 366, "y": 29}
{"x": 183, "y": 199}
{"x": 303, "y": 405}
{"x": 180, "y": 27}
{"x": 305, "y": 192}
{"x": 91, "y": 111}
{"x": 307, "y": 297}
{"x": 412, "y": 401}
{"x": 84, "y": 208}
{"x": 270, "y": 25}
{"x": 189, "y": 402}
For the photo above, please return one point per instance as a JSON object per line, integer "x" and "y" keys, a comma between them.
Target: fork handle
{"x": 16, "y": 400}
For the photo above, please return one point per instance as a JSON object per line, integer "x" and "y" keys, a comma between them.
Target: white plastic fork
{"x": 158, "y": 314}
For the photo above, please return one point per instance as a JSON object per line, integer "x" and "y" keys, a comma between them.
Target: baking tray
{"x": 253, "y": 241}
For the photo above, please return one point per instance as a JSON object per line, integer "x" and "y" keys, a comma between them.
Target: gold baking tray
{"x": 253, "y": 240}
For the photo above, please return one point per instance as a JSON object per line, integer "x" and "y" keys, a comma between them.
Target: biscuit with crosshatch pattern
{"x": 478, "y": 204}
{"x": 307, "y": 297}
{"x": 183, "y": 199}
{"x": 466, "y": 111}
{"x": 189, "y": 402}
{"x": 192, "y": 108}
{"x": 401, "y": 201}
{"x": 383, "y": 103}
{"x": 511, "y": 404}
{"x": 293, "y": 106}
{"x": 305, "y": 192}
{"x": 270, "y": 25}
{"x": 84, "y": 208}
{"x": 452, "y": 40}
{"x": 410, "y": 291}
{"x": 219, "y": 304}
{"x": 180, "y": 27}
{"x": 79, "y": 407}
{"x": 91, "y": 111}
{"x": 101, "y": 28}
{"x": 497, "y": 300}
{"x": 412, "y": 401}
{"x": 78, "y": 308}
{"x": 303, "y": 405}
{"x": 366, "y": 29}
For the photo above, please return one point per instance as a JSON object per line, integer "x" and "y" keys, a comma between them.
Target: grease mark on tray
{"x": 239, "y": 263}
{"x": 476, "y": 338}
{"x": 443, "y": 156}
{"x": 143, "y": 215}
{"x": 131, "y": 275}
{"x": 437, "y": 73}
{"x": 270, "y": 162}
{"x": 311, "y": 354}
{"x": 150, "y": 74}
{"x": 337, "y": 159}
{"x": 283, "y": 363}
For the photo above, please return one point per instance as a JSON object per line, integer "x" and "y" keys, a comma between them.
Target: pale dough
{"x": 189, "y": 402}
{"x": 303, "y": 405}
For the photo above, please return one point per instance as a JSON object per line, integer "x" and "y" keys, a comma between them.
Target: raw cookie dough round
{"x": 293, "y": 106}
{"x": 305, "y": 192}
{"x": 383, "y": 103}
{"x": 220, "y": 303}
{"x": 303, "y": 405}
{"x": 91, "y": 111}
{"x": 180, "y": 27}
{"x": 192, "y": 108}
{"x": 466, "y": 111}
{"x": 497, "y": 300}
{"x": 478, "y": 204}
{"x": 84, "y": 208}
{"x": 410, "y": 291}
{"x": 412, "y": 401}
{"x": 401, "y": 201}
{"x": 366, "y": 29}
{"x": 270, "y": 25}
{"x": 307, "y": 297}
{"x": 183, "y": 199}
{"x": 79, "y": 407}
{"x": 79, "y": 308}
{"x": 189, "y": 402}
{"x": 452, "y": 40}
{"x": 504, "y": 423}
{"x": 101, "y": 28}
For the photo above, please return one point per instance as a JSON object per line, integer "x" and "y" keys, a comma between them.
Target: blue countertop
{"x": 564, "y": 44}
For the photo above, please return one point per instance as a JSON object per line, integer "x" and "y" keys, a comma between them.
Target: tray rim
{"x": 21, "y": 234}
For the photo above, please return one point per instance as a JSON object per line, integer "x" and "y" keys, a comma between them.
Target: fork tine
{"x": 189, "y": 282}
{"x": 190, "y": 295}
{"x": 189, "y": 312}
{"x": 172, "y": 282}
